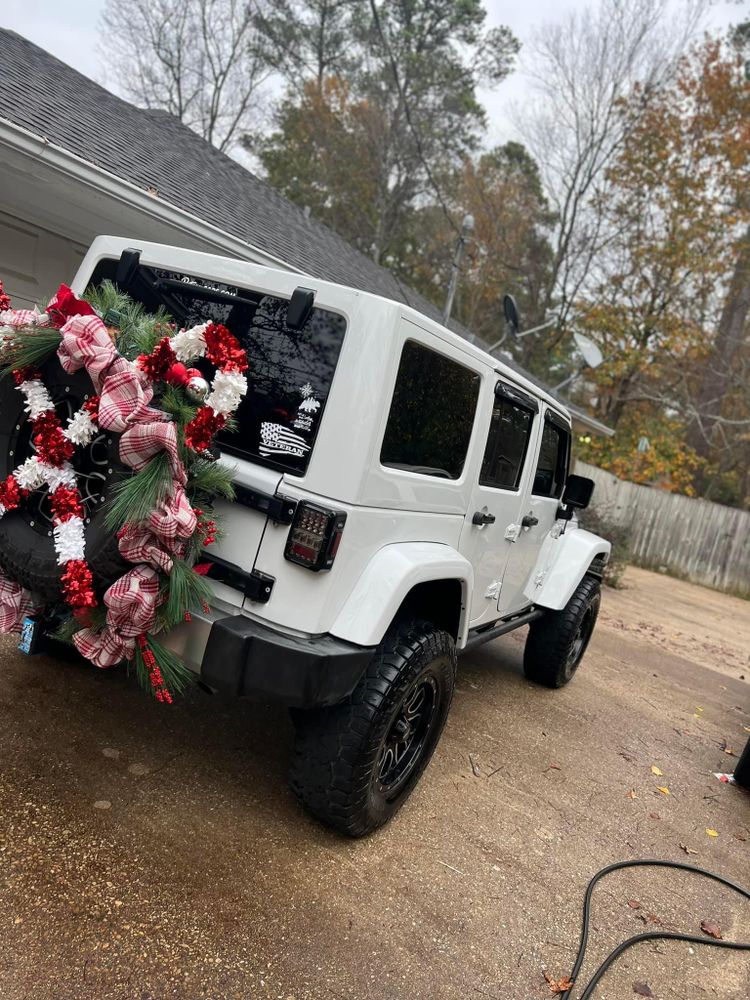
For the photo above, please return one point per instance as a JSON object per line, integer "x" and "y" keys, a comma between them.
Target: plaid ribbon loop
{"x": 86, "y": 343}
{"x": 131, "y": 609}
{"x": 15, "y": 602}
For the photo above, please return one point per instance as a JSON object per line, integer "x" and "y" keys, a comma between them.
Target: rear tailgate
{"x": 242, "y": 526}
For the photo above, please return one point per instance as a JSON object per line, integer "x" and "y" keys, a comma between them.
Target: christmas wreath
{"x": 166, "y": 414}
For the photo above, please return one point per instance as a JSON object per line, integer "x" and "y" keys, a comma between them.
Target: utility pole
{"x": 467, "y": 228}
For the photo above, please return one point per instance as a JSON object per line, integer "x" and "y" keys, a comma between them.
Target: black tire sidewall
{"x": 381, "y": 806}
{"x": 28, "y": 556}
{"x": 550, "y": 638}
{"x": 337, "y": 749}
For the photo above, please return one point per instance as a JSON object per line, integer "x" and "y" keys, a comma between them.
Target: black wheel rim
{"x": 92, "y": 465}
{"x": 407, "y": 736}
{"x": 580, "y": 641}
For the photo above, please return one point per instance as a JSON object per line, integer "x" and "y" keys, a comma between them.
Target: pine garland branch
{"x": 139, "y": 331}
{"x": 96, "y": 618}
{"x": 29, "y": 348}
{"x": 207, "y": 480}
{"x": 183, "y": 591}
{"x": 172, "y": 400}
{"x": 176, "y": 676}
{"x": 136, "y": 498}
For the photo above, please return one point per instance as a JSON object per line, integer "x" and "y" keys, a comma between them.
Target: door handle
{"x": 481, "y": 518}
{"x": 528, "y": 521}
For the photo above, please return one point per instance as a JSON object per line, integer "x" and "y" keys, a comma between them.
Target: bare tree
{"x": 581, "y": 68}
{"x": 201, "y": 60}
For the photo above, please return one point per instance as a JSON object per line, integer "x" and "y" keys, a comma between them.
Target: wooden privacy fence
{"x": 695, "y": 539}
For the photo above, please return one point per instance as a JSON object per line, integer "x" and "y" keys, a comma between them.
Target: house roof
{"x": 156, "y": 151}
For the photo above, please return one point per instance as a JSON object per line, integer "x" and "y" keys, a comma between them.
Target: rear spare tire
{"x": 27, "y": 553}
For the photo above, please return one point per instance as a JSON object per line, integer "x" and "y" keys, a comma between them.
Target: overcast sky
{"x": 68, "y": 29}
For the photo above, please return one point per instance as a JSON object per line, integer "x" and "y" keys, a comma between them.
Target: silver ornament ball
{"x": 197, "y": 388}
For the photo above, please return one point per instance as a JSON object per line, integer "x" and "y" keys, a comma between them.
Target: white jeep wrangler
{"x": 401, "y": 496}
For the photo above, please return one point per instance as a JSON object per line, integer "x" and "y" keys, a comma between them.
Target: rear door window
{"x": 432, "y": 414}
{"x": 552, "y": 464}
{"x": 290, "y": 372}
{"x": 507, "y": 440}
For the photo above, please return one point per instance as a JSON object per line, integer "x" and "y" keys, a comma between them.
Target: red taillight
{"x": 314, "y": 536}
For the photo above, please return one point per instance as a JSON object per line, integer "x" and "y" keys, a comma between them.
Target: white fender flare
{"x": 387, "y": 579}
{"x": 562, "y": 563}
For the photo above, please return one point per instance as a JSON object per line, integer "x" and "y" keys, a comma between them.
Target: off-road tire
{"x": 341, "y": 753}
{"x": 27, "y": 553}
{"x": 557, "y": 642}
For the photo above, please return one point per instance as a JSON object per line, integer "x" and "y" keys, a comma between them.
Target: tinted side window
{"x": 552, "y": 465}
{"x": 431, "y": 416}
{"x": 507, "y": 442}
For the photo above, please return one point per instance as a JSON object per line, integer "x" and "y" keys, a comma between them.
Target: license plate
{"x": 31, "y": 634}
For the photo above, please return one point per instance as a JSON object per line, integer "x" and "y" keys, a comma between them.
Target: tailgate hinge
{"x": 256, "y": 586}
{"x": 279, "y": 509}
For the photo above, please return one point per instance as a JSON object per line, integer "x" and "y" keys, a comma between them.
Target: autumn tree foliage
{"x": 364, "y": 150}
{"x": 510, "y": 246}
{"x": 677, "y": 213}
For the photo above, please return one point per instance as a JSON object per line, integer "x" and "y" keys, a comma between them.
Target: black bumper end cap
{"x": 246, "y": 659}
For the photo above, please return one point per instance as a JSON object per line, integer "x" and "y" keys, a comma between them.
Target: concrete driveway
{"x": 154, "y": 853}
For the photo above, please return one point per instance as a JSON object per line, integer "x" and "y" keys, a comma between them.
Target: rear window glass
{"x": 290, "y": 371}
{"x": 432, "y": 414}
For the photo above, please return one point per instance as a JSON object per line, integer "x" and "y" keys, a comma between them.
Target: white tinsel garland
{"x": 81, "y": 428}
{"x": 227, "y": 390}
{"x": 190, "y": 343}
{"x": 57, "y": 476}
{"x": 70, "y": 542}
{"x": 30, "y": 474}
{"x": 38, "y": 400}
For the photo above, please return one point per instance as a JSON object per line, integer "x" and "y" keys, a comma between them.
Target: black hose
{"x": 648, "y": 935}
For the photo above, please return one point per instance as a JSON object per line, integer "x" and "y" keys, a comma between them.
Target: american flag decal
{"x": 275, "y": 439}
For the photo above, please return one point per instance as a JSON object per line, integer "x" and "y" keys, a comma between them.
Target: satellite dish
{"x": 510, "y": 309}
{"x": 588, "y": 350}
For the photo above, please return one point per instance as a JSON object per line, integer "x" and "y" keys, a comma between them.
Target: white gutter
{"x": 88, "y": 174}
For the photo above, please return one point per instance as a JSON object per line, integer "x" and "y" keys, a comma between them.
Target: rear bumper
{"x": 247, "y": 659}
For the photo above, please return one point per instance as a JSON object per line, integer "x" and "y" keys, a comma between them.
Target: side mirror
{"x": 577, "y": 492}
{"x": 510, "y": 310}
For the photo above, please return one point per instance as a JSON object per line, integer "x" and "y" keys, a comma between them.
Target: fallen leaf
{"x": 654, "y": 816}
{"x": 642, "y": 989}
{"x": 558, "y": 985}
{"x": 688, "y": 850}
{"x": 552, "y": 767}
{"x": 711, "y": 833}
{"x": 711, "y": 928}
{"x": 634, "y": 904}
{"x": 663, "y": 789}
{"x": 698, "y": 708}
{"x": 655, "y": 770}
{"x": 746, "y": 728}
{"x": 740, "y": 837}
{"x": 632, "y": 794}
{"x": 728, "y": 751}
